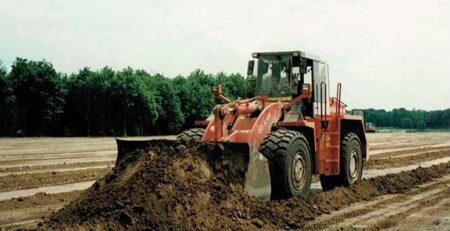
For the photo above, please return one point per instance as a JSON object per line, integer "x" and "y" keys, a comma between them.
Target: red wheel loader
{"x": 292, "y": 128}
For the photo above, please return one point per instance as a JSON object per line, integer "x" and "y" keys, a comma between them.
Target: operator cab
{"x": 283, "y": 75}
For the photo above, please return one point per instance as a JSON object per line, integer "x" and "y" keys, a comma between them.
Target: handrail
{"x": 323, "y": 103}
{"x": 338, "y": 95}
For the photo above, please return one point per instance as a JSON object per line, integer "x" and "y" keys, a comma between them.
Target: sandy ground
{"x": 40, "y": 175}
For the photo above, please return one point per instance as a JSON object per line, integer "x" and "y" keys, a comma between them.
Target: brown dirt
{"x": 432, "y": 217}
{"x": 398, "y": 218}
{"x": 57, "y": 158}
{"x": 408, "y": 152}
{"x": 394, "y": 161}
{"x": 381, "y": 209}
{"x": 38, "y": 200}
{"x": 32, "y": 180}
{"x": 56, "y": 166}
{"x": 176, "y": 186}
{"x": 28, "y": 211}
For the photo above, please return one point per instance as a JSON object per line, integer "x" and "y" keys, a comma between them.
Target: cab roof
{"x": 293, "y": 53}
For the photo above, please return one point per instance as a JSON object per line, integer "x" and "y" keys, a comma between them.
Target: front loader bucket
{"x": 237, "y": 163}
{"x": 257, "y": 180}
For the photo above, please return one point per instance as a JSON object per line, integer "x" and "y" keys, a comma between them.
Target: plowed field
{"x": 41, "y": 175}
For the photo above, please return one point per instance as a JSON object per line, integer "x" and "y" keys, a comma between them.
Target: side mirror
{"x": 251, "y": 65}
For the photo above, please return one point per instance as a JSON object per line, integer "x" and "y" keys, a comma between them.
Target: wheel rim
{"x": 298, "y": 171}
{"x": 354, "y": 166}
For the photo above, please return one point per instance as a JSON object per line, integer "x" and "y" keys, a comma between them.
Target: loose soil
{"x": 34, "y": 180}
{"x": 397, "y": 161}
{"x": 198, "y": 186}
{"x": 49, "y": 168}
{"x": 26, "y": 212}
{"x": 39, "y": 199}
{"x": 384, "y": 211}
{"x": 408, "y": 152}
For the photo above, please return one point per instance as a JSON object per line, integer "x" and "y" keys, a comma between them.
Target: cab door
{"x": 321, "y": 94}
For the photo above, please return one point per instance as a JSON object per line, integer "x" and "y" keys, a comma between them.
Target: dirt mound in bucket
{"x": 187, "y": 186}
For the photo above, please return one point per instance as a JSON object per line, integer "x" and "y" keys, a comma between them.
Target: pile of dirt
{"x": 173, "y": 185}
{"x": 187, "y": 186}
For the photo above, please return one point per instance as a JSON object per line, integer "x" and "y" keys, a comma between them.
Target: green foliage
{"x": 135, "y": 104}
{"x": 6, "y": 101}
{"x": 170, "y": 117}
{"x": 35, "y": 100}
{"x": 234, "y": 85}
{"x": 38, "y": 93}
{"x": 194, "y": 93}
{"x": 109, "y": 103}
{"x": 409, "y": 119}
{"x": 5, "y": 89}
{"x": 105, "y": 102}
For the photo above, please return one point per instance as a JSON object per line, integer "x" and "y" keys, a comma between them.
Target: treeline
{"x": 36, "y": 100}
{"x": 409, "y": 119}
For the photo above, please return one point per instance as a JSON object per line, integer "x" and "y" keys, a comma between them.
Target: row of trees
{"x": 409, "y": 119}
{"x": 36, "y": 100}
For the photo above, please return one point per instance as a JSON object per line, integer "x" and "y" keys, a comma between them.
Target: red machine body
{"x": 250, "y": 120}
{"x": 293, "y": 127}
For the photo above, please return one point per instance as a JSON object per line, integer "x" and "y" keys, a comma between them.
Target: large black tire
{"x": 193, "y": 134}
{"x": 351, "y": 164}
{"x": 289, "y": 158}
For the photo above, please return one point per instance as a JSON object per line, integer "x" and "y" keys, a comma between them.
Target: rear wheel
{"x": 289, "y": 161}
{"x": 195, "y": 134}
{"x": 351, "y": 164}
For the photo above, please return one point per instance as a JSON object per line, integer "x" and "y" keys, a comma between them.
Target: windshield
{"x": 273, "y": 73}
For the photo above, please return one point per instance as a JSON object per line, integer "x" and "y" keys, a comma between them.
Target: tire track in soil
{"x": 384, "y": 211}
{"x": 435, "y": 217}
{"x": 395, "y": 217}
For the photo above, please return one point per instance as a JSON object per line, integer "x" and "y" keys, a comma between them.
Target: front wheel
{"x": 289, "y": 158}
{"x": 351, "y": 164}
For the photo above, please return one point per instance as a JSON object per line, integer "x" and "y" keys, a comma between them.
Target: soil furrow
{"x": 49, "y": 168}
{"x": 34, "y": 180}
{"x": 405, "y": 160}
{"x": 408, "y": 152}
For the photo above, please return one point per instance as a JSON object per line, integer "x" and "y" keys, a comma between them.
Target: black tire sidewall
{"x": 352, "y": 144}
{"x": 298, "y": 144}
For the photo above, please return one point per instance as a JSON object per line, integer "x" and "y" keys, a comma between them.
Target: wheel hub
{"x": 354, "y": 167}
{"x": 298, "y": 171}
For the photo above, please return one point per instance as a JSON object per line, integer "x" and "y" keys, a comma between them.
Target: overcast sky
{"x": 386, "y": 53}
